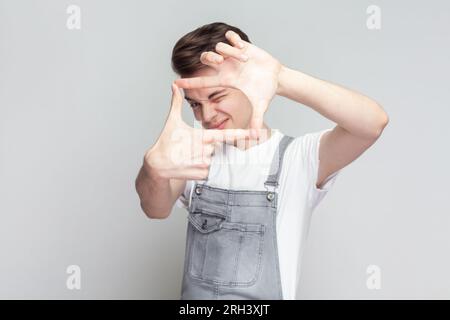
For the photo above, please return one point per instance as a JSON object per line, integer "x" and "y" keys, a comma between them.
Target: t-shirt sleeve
{"x": 183, "y": 200}
{"x": 311, "y": 144}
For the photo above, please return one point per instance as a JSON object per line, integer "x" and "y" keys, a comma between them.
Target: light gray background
{"x": 79, "y": 108}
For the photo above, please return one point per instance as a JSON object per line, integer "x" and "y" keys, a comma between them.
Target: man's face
{"x": 227, "y": 107}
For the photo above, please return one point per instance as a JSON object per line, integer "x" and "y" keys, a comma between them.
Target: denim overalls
{"x": 231, "y": 246}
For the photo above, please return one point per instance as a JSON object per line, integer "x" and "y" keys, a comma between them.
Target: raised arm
{"x": 157, "y": 194}
{"x": 244, "y": 66}
{"x": 360, "y": 120}
{"x": 180, "y": 153}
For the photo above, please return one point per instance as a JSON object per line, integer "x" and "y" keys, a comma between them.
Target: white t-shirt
{"x": 233, "y": 168}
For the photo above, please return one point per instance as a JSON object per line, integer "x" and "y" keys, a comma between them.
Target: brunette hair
{"x": 186, "y": 52}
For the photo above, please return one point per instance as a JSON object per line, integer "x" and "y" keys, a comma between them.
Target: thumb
{"x": 177, "y": 101}
{"x": 218, "y": 136}
{"x": 256, "y": 123}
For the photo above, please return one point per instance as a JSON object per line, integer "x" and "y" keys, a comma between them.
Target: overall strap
{"x": 277, "y": 162}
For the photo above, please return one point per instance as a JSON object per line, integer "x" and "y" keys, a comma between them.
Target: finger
{"x": 201, "y": 148}
{"x": 228, "y": 51}
{"x": 217, "y": 135}
{"x": 200, "y": 174}
{"x": 211, "y": 59}
{"x": 199, "y": 82}
{"x": 203, "y": 158}
{"x": 177, "y": 101}
{"x": 217, "y": 144}
{"x": 191, "y": 174}
{"x": 208, "y": 149}
{"x": 235, "y": 39}
{"x": 211, "y": 56}
{"x": 203, "y": 161}
{"x": 256, "y": 123}
{"x": 196, "y": 158}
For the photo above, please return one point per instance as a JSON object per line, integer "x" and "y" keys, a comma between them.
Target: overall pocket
{"x": 225, "y": 253}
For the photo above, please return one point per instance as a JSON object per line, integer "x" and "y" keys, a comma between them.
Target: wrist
{"x": 282, "y": 80}
{"x": 151, "y": 172}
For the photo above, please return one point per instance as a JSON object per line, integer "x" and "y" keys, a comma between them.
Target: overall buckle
{"x": 270, "y": 193}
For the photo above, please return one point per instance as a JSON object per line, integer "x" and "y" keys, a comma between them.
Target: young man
{"x": 247, "y": 221}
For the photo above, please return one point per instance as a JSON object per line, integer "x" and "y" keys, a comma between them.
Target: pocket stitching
{"x": 260, "y": 234}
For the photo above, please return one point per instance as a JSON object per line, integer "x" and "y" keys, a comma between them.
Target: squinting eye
{"x": 194, "y": 105}
{"x": 219, "y": 99}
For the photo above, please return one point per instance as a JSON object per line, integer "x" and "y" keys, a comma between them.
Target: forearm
{"x": 356, "y": 113}
{"x": 157, "y": 195}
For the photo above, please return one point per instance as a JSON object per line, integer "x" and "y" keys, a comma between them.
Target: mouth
{"x": 220, "y": 125}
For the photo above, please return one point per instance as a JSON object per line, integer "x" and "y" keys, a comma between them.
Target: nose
{"x": 208, "y": 112}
